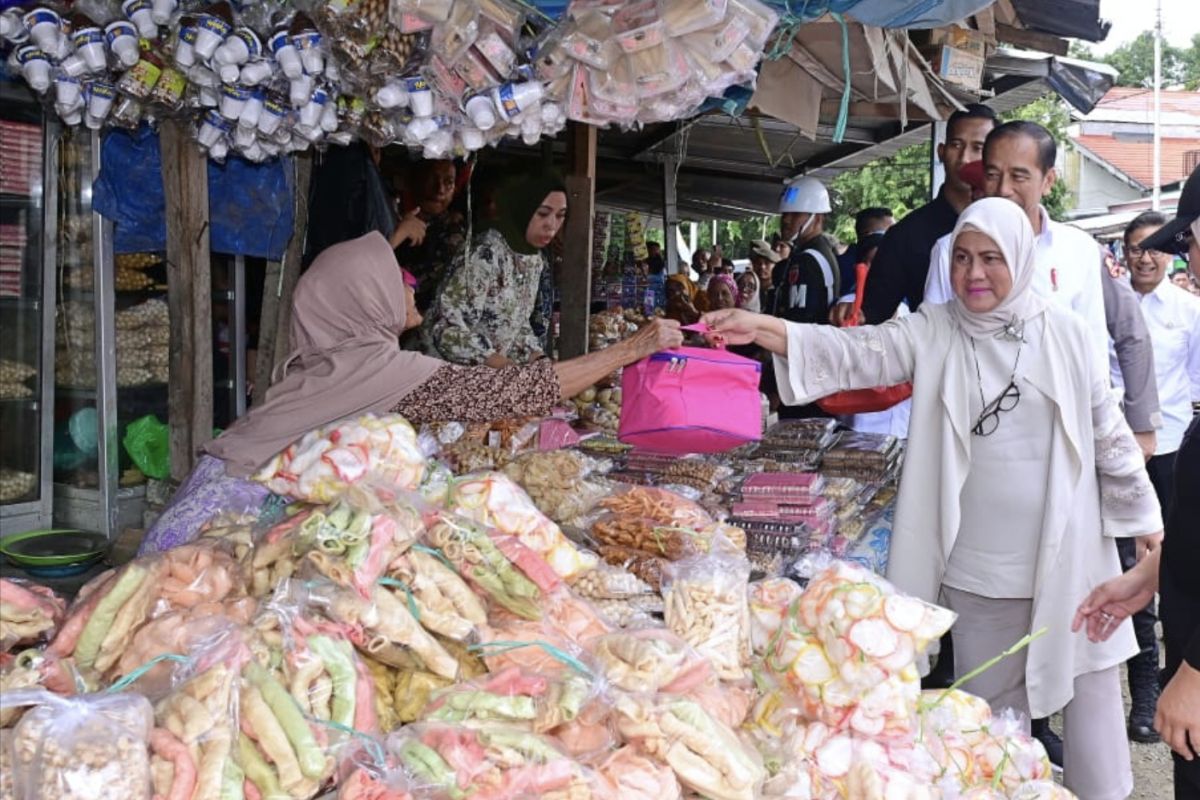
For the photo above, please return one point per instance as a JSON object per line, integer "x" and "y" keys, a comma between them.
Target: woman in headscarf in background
{"x": 722, "y": 292}
{"x": 432, "y": 233}
{"x": 1020, "y": 471}
{"x": 348, "y": 312}
{"x": 481, "y": 312}
{"x": 681, "y": 299}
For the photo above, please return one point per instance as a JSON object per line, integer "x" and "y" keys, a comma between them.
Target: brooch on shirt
{"x": 1014, "y": 331}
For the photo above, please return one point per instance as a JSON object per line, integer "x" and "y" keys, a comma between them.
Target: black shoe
{"x": 1142, "y": 730}
{"x": 1050, "y": 740}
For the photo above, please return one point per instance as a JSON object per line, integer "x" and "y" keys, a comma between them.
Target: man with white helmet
{"x": 806, "y": 284}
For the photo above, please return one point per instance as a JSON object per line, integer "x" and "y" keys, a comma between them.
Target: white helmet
{"x": 804, "y": 195}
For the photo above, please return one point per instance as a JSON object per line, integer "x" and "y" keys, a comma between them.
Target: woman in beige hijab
{"x": 1020, "y": 473}
{"x": 348, "y": 313}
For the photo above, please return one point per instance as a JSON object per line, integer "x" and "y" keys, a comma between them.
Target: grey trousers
{"x": 1096, "y": 760}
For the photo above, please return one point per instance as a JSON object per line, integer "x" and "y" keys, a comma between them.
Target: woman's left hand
{"x": 1117, "y": 599}
{"x": 1178, "y": 717}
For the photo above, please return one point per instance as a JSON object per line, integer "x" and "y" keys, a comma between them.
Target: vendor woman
{"x": 1020, "y": 473}
{"x": 481, "y": 312}
{"x": 348, "y": 311}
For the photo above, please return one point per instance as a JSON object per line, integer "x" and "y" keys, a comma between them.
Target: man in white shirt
{"x": 1018, "y": 162}
{"x": 1172, "y": 316}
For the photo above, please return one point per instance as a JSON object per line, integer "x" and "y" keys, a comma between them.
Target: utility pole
{"x": 1154, "y": 197}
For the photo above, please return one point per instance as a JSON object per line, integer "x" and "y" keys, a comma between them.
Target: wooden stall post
{"x": 281, "y": 277}
{"x": 189, "y": 296}
{"x": 576, "y": 294}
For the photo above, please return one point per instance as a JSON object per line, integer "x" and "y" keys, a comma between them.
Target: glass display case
{"x": 26, "y": 310}
{"x": 111, "y": 350}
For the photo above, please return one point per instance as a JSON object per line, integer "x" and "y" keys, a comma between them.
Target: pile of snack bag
{"x": 400, "y": 634}
{"x": 441, "y": 76}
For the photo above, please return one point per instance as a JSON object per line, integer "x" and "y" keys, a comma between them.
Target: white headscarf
{"x": 1005, "y": 223}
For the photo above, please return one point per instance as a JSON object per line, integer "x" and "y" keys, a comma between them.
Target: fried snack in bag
{"x": 369, "y": 774}
{"x": 819, "y": 762}
{"x": 514, "y": 697}
{"x": 769, "y": 603}
{"x": 558, "y": 482}
{"x": 178, "y": 632}
{"x": 706, "y": 606}
{"x": 87, "y": 747}
{"x": 706, "y": 756}
{"x": 445, "y": 602}
{"x": 324, "y": 463}
{"x": 487, "y": 763}
{"x": 353, "y": 546}
{"x": 650, "y": 660}
{"x": 478, "y": 560}
{"x": 28, "y": 612}
{"x": 861, "y": 619}
{"x": 383, "y": 622}
{"x": 659, "y": 505}
{"x": 494, "y": 500}
{"x": 1041, "y": 790}
{"x": 629, "y": 775}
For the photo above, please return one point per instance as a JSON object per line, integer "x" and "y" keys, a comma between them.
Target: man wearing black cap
{"x": 1174, "y": 569}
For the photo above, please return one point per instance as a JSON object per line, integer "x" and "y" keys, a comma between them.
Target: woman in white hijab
{"x": 1019, "y": 474}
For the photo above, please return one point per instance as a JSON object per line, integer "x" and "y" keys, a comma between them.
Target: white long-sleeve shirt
{"x": 1173, "y": 318}
{"x": 1067, "y": 272}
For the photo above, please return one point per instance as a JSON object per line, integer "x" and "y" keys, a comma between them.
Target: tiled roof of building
{"x": 1136, "y": 158}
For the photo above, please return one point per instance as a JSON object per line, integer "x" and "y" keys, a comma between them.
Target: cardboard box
{"x": 965, "y": 39}
{"x": 955, "y": 66}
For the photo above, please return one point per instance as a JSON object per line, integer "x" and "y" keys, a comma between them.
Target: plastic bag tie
{"x": 412, "y": 603}
{"x": 554, "y": 652}
{"x": 438, "y": 554}
{"x": 370, "y": 743}
{"x": 1017, "y": 647}
{"x": 132, "y": 677}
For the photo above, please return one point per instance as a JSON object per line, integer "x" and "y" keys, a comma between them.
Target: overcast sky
{"x": 1181, "y": 19}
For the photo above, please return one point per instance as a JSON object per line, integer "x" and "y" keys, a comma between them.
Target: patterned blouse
{"x": 485, "y": 304}
{"x": 483, "y": 394}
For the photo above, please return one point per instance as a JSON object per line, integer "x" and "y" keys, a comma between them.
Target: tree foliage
{"x": 1134, "y": 61}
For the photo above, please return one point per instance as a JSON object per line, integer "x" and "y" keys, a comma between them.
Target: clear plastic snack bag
{"x": 707, "y": 606}
{"x": 86, "y": 746}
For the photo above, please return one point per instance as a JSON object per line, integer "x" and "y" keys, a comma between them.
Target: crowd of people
{"x": 1031, "y": 349}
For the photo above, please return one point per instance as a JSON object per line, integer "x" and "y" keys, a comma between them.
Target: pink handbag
{"x": 691, "y": 400}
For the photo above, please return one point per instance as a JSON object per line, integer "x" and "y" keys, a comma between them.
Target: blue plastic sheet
{"x": 250, "y": 205}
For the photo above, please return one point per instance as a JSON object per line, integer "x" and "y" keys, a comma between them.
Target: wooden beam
{"x": 274, "y": 340}
{"x": 189, "y": 296}
{"x": 879, "y": 110}
{"x": 576, "y": 288}
{"x": 1042, "y": 42}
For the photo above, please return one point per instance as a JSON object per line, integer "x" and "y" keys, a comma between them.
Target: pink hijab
{"x": 347, "y": 315}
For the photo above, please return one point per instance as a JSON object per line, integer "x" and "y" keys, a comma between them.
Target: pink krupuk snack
{"x": 68, "y": 635}
{"x": 364, "y": 705}
{"x": 383, "y": 532}
{"x": 167, "y": 747}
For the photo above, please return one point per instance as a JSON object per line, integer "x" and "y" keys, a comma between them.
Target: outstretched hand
{"x": 1117, "y": 599}
{"x": 731, "y": 326}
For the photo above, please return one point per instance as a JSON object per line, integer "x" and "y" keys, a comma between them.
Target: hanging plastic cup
{"x": 211, "y": 31}
{"x": 280, "y": 45}
{"x": 391, "y": 95}
{"x": 482, "y": 112}
{"x": 89, "y": 45}
{"x": 101, "y": 95}
{"x": 233, "y": 101}
{"x": 513, "y": 98}
{"x": 12, "y": 27}
{"x": 73, "y": 66}
{"x": 185, "y": 43}
{"x": 329, "y": 118}
{"x": 256, "y": 72}
{"x": 300, "y": 91}
{"x": 310, "y": 113}
{"x": 308, "y": 45}
{"x": 140, "y": 13}
{"x": 67, "y": 91}
{"x": 45, "y": 28}
{"x": 420, "y": 96}
{"x": 252, "y": 111}
{"x": 209, "y": 96}
{"x": 123, "y": 41}
{"x": 239, "y": 48}
{"x": 243, "y": 136}
{"x": 472, "y": 139}
{"x": 35, "y": 67}
{"x": 272, "y": 116}
{"x": 161, "y": 10}
{"x": 213, "y": 128}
